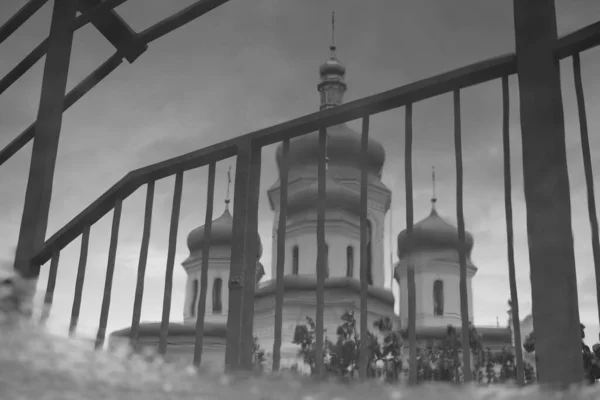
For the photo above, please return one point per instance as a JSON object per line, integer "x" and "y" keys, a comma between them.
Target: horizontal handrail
{"x": 426, "y": 88}
{"x": 578, "y": 41}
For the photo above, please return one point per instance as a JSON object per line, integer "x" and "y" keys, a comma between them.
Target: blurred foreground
{"x": 36, "y": 365}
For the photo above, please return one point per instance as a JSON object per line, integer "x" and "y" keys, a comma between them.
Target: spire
{"x": 332, "y": 85}
{"x": 228, "y": 185}
{"x": 332, "y": 47}
{"x": 433, "y": 197}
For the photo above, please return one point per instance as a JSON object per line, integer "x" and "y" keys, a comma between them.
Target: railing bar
{"x": 410, "y": 272}
{"x": 166, "y": 309}
{"x": 201, "y": 307}
{"x": 464, "y": 301}
{"x": 49, "y": 297}
{"x": 19, "y": 18}
{"x": 79, "y": 280}
{"x": 110, "y": 271}
{"x": 589, "y": 175}
{"x": 96, "y": 12}
{"x": 141, "y": 272}
{"x": 280, "y": 268}
{"x": 512, "y": 277}
{"x": 321, "y": 251}
{"x": 364, "y": 201}
{"x": 23, "y": 66}
{"x": 178, "y": 19}
{"x": 236, "y": 271}
{"x": 250, "y": 257}
{"x": 71, "y": 98}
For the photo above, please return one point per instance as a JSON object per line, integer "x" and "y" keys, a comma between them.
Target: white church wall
{"x": 430, "y": 266}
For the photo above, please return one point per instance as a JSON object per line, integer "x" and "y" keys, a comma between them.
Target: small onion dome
{"x": 332, "y": 66}
{"x": 433, "y": 233}
{"x": 337, "y": 196}
{"x": 221, "y": 234}
{"x": 343, "y": 148}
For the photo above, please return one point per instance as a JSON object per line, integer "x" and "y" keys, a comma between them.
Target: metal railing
{"x": 247, "y": 149}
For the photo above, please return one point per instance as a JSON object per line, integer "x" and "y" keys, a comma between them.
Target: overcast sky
{"x": 251, "y": 64}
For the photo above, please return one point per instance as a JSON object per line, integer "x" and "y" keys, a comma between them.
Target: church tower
{"x": 219, "y": 262}
{"x": 434, "y": 255}
{"x": 342, "y": 219}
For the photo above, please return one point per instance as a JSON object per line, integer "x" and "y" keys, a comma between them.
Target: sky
{"x": 249, "y": 65}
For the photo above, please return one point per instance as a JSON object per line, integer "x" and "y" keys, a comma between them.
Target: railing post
{"x": 250, "y": 258}
{"x": 241, "y": 213}
{"x": 547, "y": 196}
{"x": 34, "y": 221}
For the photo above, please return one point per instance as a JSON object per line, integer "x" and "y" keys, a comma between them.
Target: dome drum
{"x": 337, "y": 197}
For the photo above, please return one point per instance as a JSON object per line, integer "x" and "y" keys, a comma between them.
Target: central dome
{"x": 343, "y": 148}
{"x": 433, "y": 233}
{"x": 221, "y": 234}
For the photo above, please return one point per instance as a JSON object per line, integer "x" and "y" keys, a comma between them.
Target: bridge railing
{"x": 247, "y": 149}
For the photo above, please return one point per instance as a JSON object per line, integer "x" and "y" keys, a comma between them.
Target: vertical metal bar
{"x": 141, "y": 272}
{"x": 110, "y": 271}
{"x": 512, "y": 277}
{"x": 201, "y": 307}
{"x": 234, "y": 316}
{"x": 321, "y": 206}
{"x": 547, "y": 195}
{"x": 166, "y": 309}
{"x": 83, "y": 253}
{"x": 589, "y": 175}
{"x": 34, "y": 221}
{"x": 462, "y": 252}
{"x": 364, "y": 200}
{"x": 410, "y": 270}
{"x": 49, "y": 297}
{"x": 281, "y": 231}
{"x": 251, "y": 258}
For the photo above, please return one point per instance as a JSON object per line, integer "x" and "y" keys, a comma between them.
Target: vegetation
{"x": 437, "y": 360}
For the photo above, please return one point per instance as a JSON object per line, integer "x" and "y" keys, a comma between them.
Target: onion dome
{"x": 338, "y": 197}
{"x": 332, "y": 66}
{"x": 221, "y": 234}
{"x": 343, "y": 149}
{"x": 433, "y": 233}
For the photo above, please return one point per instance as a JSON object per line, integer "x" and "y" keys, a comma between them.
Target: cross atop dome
{"x": 228, "y": 185}
{"x": 433, "y": 197}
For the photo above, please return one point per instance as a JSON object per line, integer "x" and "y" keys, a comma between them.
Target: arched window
{"x": 369, "y": 253}
{"x": 217, "y": 303}
{"x": 326, "y": 260}
{"x": 295, "y": 260}
{"x": 349, "y": 261}
{"x": 194, "y": 298}
{"x": 438, "y": 298}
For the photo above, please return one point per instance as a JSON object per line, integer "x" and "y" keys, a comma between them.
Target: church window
{"x": 295, "y": 260}
{"x": 217, "y": 297}
{"x": 194, "y": 297}
{"x": 350, "y": 261}
{"x": 438, "y": 298}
